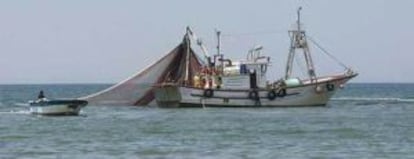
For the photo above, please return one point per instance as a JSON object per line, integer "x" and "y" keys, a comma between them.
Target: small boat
{"x": 43, "y": 106}
{"x": 223, "y": 82}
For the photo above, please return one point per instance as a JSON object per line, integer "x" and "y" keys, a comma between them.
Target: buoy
{"x": 271, "y": 95}
{"x": 254, "y": 95}
{"x": 330, "y": 87}
{"x": 281, "y": 93}
{"x": 208, "y": 93}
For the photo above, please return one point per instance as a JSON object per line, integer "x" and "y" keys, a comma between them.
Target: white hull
{"x": 304, "y": 95}
{"x": 55, "y": 110}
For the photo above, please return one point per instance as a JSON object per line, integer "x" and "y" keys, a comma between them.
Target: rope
{"x": 269, "y": 32}
{"x": 327, "y": 53}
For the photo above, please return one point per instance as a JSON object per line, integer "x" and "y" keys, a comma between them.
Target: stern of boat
{"x": 167, "y": 95}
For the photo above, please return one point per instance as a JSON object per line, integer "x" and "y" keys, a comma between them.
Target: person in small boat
{"x": 41, "y": 96}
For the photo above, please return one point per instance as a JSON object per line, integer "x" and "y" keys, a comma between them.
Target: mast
{"x": 218, "y": 33}
{"x": 298, "y": 21}
{"x": 187, "y": 58}
{"x": 299, "y": 41}
{"x": 219, "y": 55}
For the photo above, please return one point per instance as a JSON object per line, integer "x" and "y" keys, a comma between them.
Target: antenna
{"x": 218, "y": 33}
{"x": 219, "y": 55}
{"x": 299, "y": 9}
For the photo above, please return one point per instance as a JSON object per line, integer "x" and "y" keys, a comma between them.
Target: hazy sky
{"x": 99, "y": 41}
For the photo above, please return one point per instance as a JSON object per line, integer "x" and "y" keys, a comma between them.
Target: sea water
{"x": 361, "y": 121}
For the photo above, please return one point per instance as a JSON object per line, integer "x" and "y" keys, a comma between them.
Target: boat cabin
{"x": 245, "y": 75}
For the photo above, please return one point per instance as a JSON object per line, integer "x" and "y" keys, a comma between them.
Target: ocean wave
{"x": 21, "y": 104}
{"x": 16, "y": 112}
{"x": 408, "y": 100}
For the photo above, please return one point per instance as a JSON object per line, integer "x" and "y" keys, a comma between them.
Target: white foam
{"x": 22, "y": 104}
{"x": 373, "y": 99}
{"x": 17, "y": 112}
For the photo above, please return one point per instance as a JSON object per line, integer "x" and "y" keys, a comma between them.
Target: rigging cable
{"x": 265, "y": 32}
{"x": 327, "y": 53}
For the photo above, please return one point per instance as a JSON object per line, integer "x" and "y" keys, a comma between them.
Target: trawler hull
{"x": 312, "y": 94}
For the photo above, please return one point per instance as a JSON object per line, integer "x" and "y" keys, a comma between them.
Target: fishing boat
{"x": 222, "y": 82}
{"x": 58, "y": 107}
